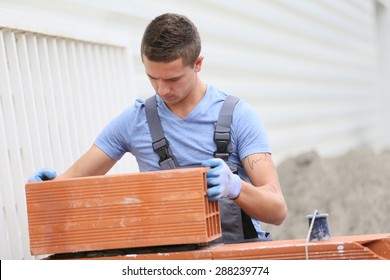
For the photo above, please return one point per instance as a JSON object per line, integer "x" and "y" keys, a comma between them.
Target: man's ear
{"x": 198, "y": 63}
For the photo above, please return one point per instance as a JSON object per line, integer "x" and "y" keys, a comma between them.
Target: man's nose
{"x": 163, "y": 88}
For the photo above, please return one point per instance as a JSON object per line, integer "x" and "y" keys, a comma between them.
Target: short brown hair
{"x": 169, "y": 37}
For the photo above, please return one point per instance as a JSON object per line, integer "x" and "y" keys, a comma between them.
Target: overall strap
{"x": 237, "y": 224}
{"x": 160, "y": 143}
{"x": 222, "y": 136}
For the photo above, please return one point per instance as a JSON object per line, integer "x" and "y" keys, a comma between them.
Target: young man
{"x": 189, "y": 109}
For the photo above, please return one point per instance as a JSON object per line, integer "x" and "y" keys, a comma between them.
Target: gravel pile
{"x": 354, "y": 189}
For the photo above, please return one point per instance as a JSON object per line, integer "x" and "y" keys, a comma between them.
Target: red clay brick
{"x": 359, "y": 247}
{"x": 121, "y": 211}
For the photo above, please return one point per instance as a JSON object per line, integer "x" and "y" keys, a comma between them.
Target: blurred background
{"x": 317, "y": 71}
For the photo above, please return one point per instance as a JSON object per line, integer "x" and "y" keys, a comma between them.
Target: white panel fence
{"x": 55, "y": 96}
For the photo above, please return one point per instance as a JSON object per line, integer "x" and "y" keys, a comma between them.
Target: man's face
{"x": 172, "y": 81}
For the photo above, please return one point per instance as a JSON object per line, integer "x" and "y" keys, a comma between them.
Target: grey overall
{"x": 236, "y": 225}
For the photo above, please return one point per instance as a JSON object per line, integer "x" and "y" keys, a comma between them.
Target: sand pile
{"x": 354, "y": 189}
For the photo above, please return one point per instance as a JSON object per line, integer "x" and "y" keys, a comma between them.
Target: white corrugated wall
{"x": 310, "y": 68}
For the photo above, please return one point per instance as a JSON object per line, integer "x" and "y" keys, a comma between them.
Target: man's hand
{"x": 222, "y": 182}
{"x": 43, "y": 174}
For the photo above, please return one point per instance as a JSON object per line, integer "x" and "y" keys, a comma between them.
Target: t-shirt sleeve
{"x": 111, "y": 138}
{"x": 251, "y": 134}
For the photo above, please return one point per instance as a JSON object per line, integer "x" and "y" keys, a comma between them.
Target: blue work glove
{"x": 43, "y": 174}
{"x": 221, "y": 181}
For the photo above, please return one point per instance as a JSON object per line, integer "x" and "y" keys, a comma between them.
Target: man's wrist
{"x": 236, "y": 187}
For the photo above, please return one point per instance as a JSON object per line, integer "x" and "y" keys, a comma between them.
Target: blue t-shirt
{"x": 190, "y": 139}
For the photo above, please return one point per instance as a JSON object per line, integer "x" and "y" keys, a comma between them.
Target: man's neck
{"x": 187, "y": 105}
